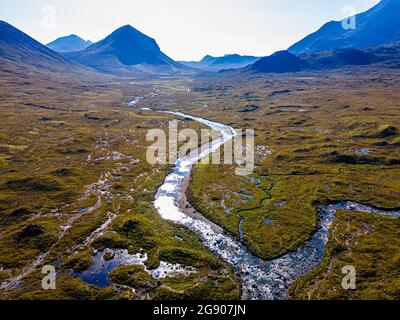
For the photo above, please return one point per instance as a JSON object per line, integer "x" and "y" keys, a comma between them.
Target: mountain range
{"x": 126, "y": 51}
{"x": 378, "y": 26}
{"x": 229, "y": 61}
{"x": 70, "y": 43}
{"x": 285, "y": 61}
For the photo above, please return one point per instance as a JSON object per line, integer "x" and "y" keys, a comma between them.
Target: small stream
{"x": 261, "y": 279}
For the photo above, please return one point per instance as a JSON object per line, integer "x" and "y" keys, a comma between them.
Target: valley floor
{"x": 76, "y": 191}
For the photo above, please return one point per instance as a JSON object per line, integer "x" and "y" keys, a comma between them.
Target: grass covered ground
{"x": 320, "y": 138}
{"x": 73, "y": 156}
{"x": 371, "y": 245}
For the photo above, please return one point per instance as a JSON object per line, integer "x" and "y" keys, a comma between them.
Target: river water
{"x": 261, "y": 279}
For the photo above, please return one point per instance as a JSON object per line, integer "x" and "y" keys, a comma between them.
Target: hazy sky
{"x": 184, "y": 29}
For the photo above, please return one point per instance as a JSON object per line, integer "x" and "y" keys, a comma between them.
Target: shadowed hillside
{"x": 378, "y": 26}
{"x": 124, "y": 51}
{"x": 18, "y": 48}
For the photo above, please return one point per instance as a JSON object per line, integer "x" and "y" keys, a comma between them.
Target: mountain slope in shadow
{"x": 18, "y": 48}
{"x": 124, "y": 52}
{"x": 279, "y": 62}
{"x": 379, "y": 25}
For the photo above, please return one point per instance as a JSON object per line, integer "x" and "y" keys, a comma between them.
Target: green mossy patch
{"x": 188, "y": 257}
{"x": 214, "y": 288}
{"x": 367, "y": 242}
{"x": 395, "y": 142}
{"x": 110, "y": 240}
{"x": 35, "y": 236}
{"x": 133, "y": 276}
{"x": 3, "y": 163}
{"x": 80, "y": 261}
{"x": 34, "y": 184}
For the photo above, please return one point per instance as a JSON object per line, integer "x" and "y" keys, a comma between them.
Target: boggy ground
{"x": 320, "y": 138}
{"x": 368, "y": 243}
{"x": 74, "y": 179}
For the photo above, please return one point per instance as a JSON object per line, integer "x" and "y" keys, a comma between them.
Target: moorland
{"x": 78, "y": 194}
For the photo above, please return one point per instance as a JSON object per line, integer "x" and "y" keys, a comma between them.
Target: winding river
{"x": 261, "y": 279}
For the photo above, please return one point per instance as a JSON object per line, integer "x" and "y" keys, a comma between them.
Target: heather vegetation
{"x": 318, "y": 140}
{"x": 78, "y": 192}
{"x": 73, "y": 159}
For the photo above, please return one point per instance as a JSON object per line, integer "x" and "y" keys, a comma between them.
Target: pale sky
{"x": 184, "y": 29}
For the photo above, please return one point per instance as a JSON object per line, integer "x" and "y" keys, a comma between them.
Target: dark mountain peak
{"x": 279, "y": 62}
{"x": 125, "y": 30}
{"x": 73, "y": 36}
{"x": 377, "y": 26}
{"x": 126, "y": 27}
{"x": 128, "y": 32}
{"x": 122, "y": 49}
{"x": 128, "y": 38}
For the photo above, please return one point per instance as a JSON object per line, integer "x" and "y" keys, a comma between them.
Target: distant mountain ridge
{"x": 19, "y": 50}
{"x": 377, "y": 26}
{"x": 284, "y": 62}
{"x": 228, "y": 61}
{"x": 124, "y": 51}
{"x": 71, "y": 43}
